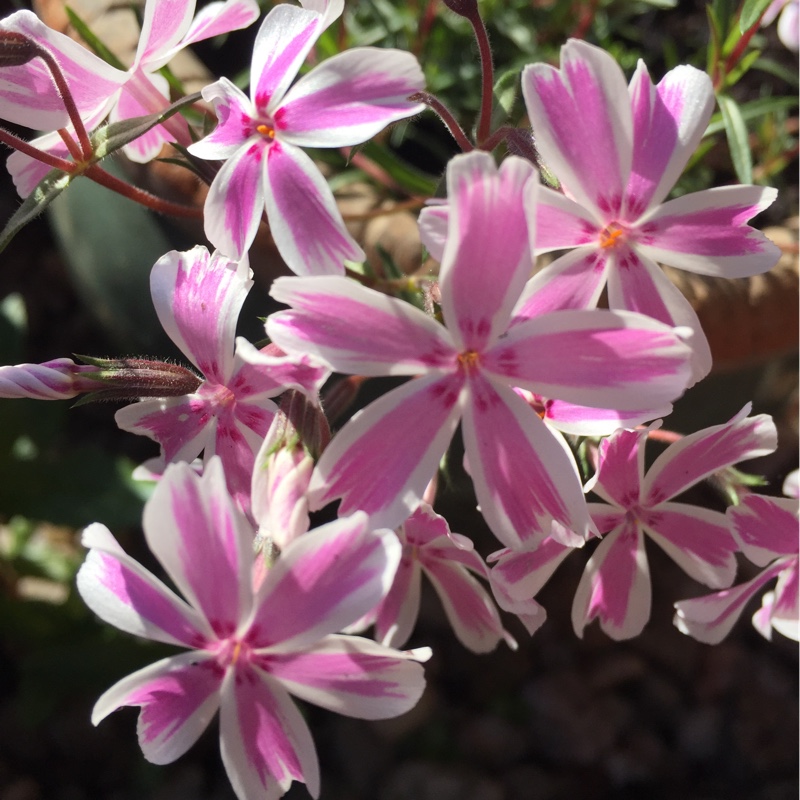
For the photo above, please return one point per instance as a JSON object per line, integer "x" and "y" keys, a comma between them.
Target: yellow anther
{"x": 610, "y": 235}
{"x": 468, "y": 360}
{"x": 266, "y": 130}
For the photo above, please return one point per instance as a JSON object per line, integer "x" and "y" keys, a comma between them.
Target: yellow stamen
{"x": 468, "y": 360}
{"x": 266, "y": 130}
{"x": 237, "y": 649}
{"x": 610, "y": 235}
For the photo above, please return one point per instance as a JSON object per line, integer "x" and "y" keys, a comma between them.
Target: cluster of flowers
{"x": 522, "y": 360}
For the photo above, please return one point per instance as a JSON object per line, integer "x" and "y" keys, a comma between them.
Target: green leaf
{"x": 37, "y": 201}
{"x": 753, "y": 110}
{"x": 741, "y": 68}
{"x": 504, "y": 96}
{"x": 108, "y": 138}
{"x": 752, "y": 11}
{"x": 86, "y": 34}
{"x": 736, "y": 131}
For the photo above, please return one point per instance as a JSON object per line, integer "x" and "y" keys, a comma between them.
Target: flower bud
{"x": 16, "y": 49}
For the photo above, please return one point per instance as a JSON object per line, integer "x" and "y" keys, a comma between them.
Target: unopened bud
{"x": 464, "y": 8}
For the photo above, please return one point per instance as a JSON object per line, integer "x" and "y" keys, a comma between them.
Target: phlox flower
{"x": 449, "y": 561}
{"x": 27, "y": 95}
{"x": 617, "y": 150}
{"x": 249, "y": 650}
{"x": 198, "y": 297}
{"x": 343, "y": 101}
{"x": 382, "y": 459}
{"x": 615, "y": 587}
{"x": 766, "y": 529}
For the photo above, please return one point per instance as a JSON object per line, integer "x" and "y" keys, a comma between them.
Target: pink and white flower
{"x": 766, "y": 529}
{"x": 615, "y": 587}
{"x": 198, "y": 297}
{"x": 617, "y": 151}
{"x": 449, "y": 561}
{"x": 343, "y": 101}
{"x": 467, "y": 370}
{"x": 249, "y": 650}
{"x": 27, "y": 95}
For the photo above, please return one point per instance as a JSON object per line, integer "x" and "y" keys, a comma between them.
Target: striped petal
{"x": 304, "y": 219}
{"x": 765, "y": 527}
{"x": 353, "y": 676}
{"x": 400, "y": 437}
{"x": 205, "y": 545}
{"x": 615, "y": 587}
{"x": 178, "y": 697}
{"x": 707, "y": 232}
{"x": 349, "y": 98}
{"x": 357, "y": 330}
{"x": 486, "y": 225}
{"x": 581, "y": 119}
{"x": 520, "y": 471}
{"x": 124, "y": 594}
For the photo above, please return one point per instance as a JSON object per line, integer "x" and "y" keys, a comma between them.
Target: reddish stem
{"x": 446, "y": 116}
{"x": 487, "y": 76}
{"x": 71, "y": 144}
{"x": 14, "y": 142}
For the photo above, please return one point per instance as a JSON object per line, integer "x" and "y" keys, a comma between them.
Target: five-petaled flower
{"x": 617, "y": 151}
{"x": 198, "y": 297}
{"x": 343, "y": 101}
{"x": 469, "y": 367}
{"x": 249, "y": 650}
{"x": 615, "y": 587}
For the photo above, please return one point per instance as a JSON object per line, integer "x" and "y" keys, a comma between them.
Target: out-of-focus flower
{"x": 788, "y": 24}
{"x": 249, "y": 650}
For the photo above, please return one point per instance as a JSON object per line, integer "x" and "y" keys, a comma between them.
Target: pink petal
{"x": 214, "y": 19}
{"x": 401, "y": 437}
{"x": 398, "y": 612}
{"x": 529, "y": 612}
{"x": 272, "y": 374}
{"x": 143, "y": 95}
{"x": 178, "y": 697}
{"x": 765, "y": 527}
{"x": 581, "y": 119}
{"x": 163, "y": 25}
{"x": 575, "y": 280}
{"x": 198, "y": 299}
{"x": 585, "y": 421}
{"x": 235, "y": 122}
{"x": 284, "y": 39}
{"x": 615, "y": 587}
{"x": 697, "y": 539}
{"x": 124, "y": 594}
{"x": 523, "y": 573}
{"x": 604, "y": 517}
{"x": 710, "y": 618}
{"x": 469, "y": 609}
{"x": 561, "y": 222}
{"x": 203, "y": 542}
{"x": 596, "y": 358}
{"x": 357, "y": 330}
{"x": 183, "y": 426}
{"x": 352, "y": 676}
{"x": 27, "y": 93}
{"x": 350, "y": 98}
{"x": 520, "y": 471}
{"x": 620, "y": 469}
{"x": 235, "y": 201}
{"x": 785, "y": 616}
{"x": 53, "y": 380}
{"x": 433, "y": 222}
{"x": 668, "y": 122}
{"x": 304, "y": 219}
{"x": 700, "y": 454}
{"x": 636, "y": 283}
{"x": 483, "y": 200}
{"x": 324, "y": 580}
{"x": 706, "y": 232}
{"x": 264, "y": 739}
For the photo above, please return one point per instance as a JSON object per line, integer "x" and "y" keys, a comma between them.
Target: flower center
{"x": 612, "y": 235}
{"x": 267, "y": 131}
{"x": 469, "y": 360}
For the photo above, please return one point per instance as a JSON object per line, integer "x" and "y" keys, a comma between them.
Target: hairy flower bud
{"x": 16, "y": 49}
